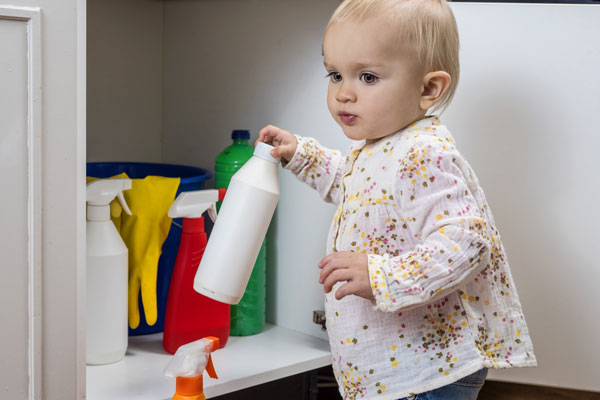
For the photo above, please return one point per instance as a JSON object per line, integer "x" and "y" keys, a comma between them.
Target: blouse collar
{"x": 423, "y": 124}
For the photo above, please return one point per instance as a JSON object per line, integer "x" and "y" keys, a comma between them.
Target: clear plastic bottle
{"x": 240, "y": 229}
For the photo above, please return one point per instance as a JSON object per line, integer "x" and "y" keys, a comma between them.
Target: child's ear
{"x": 434, "y": 86}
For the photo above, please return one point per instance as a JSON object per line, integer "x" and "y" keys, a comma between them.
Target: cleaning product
{"x": 239, "y": 231}
{"x": 190, "y": 178}
{"x": 187, "y": 366}
{"x": 248, "y": 316}
{"x": 189, "y": 315}
{"x": 145, "y": 232}
{"x": 230, "y": 160}
{"x": 106, "y": 268}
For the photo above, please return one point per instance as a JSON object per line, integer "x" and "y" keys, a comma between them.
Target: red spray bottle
{"x": 189, "y": 315}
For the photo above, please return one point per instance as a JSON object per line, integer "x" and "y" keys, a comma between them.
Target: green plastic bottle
{"x": 248, "y": 316}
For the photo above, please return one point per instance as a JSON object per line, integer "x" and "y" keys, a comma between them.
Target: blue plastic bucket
{"x": 192, "y": 178}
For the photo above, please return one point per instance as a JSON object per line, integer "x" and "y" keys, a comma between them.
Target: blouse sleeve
{"x": 438, "y": 208}
{"x": 319, "y": 167}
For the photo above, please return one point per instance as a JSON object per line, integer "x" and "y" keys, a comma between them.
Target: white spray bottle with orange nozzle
{"x": 188, "y": 364}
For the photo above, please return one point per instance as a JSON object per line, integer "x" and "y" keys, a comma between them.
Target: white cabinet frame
{"x": 31, "y": 17}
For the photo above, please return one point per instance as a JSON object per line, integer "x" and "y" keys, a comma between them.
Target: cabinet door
{"x": 42, "y": 166}
{"x": 18, "y": 242}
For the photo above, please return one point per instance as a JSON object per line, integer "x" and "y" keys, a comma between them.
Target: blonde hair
{"x": 427, "y": 26}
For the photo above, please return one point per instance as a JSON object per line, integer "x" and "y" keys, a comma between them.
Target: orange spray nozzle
{"x": 210, "y": 368}
{"x": 192, "y": 387}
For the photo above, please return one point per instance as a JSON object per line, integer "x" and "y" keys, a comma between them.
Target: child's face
{"x": 375, "y": 86}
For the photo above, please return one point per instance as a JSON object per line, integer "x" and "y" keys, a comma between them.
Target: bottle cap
{"x": 263, "y": 150}
{"x": 240, "y": 134}
{"x": 189, "y": 386}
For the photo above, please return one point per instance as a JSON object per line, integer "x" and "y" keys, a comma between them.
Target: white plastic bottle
{"x": 107, "y": 275}
{"x": 240, "y": 228}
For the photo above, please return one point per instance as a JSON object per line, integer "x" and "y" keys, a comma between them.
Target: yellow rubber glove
{"x": 144, "y": 233}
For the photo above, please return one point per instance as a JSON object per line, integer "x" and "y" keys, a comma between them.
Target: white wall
{"x": 124, "y": 86}
{"x": 525, "y": 115}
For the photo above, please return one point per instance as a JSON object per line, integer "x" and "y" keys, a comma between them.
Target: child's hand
{"x": 350, "y": 267}
{"x": 285, "y": 143}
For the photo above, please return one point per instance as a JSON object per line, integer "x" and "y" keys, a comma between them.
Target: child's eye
{"x": 368, "y": 78}
{"x": 334, "y": 76}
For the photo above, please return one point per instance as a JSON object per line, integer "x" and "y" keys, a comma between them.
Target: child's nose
{"x": 345, "y": 94}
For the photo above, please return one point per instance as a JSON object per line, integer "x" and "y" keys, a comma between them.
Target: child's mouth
{"x": 347, "y": 118}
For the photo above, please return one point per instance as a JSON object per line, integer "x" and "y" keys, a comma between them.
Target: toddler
{"x": 419, "y": 296}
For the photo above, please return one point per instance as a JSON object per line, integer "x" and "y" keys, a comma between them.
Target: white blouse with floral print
{"x": 445, "y": 302}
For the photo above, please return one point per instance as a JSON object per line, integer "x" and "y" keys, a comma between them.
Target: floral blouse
{"x": 445, "y": 301}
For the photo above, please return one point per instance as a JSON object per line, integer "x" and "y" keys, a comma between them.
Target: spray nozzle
{"x": 188, "y": 364}
{"x": 102, "y": 191}
{"x": 123, "y": 203}
{"x": 193, "y": 204}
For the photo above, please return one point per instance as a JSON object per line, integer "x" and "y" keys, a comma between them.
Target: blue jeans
{"x": 466, "y": 388}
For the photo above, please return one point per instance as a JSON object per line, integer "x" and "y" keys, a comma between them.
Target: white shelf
{"x": 244, "y": 362}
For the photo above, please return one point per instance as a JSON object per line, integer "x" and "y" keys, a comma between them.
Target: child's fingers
{"x": 338, "y": 256}
{"x": 359, "y": 285}
{"x": 327, "y": 265}
{"x": 349, "y": 267}
{"x": 338, "y": 275}
{"x": 328, "y": 258}
{"x": 344, "y": 290}
{"x": 267, "y": 134}
{"x": 276, "y": 152}
{"x": 279, "y": 138}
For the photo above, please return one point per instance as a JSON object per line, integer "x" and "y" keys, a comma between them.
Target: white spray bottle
{"x": 240, "y": 229}
{"x": 107, "y": 275}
